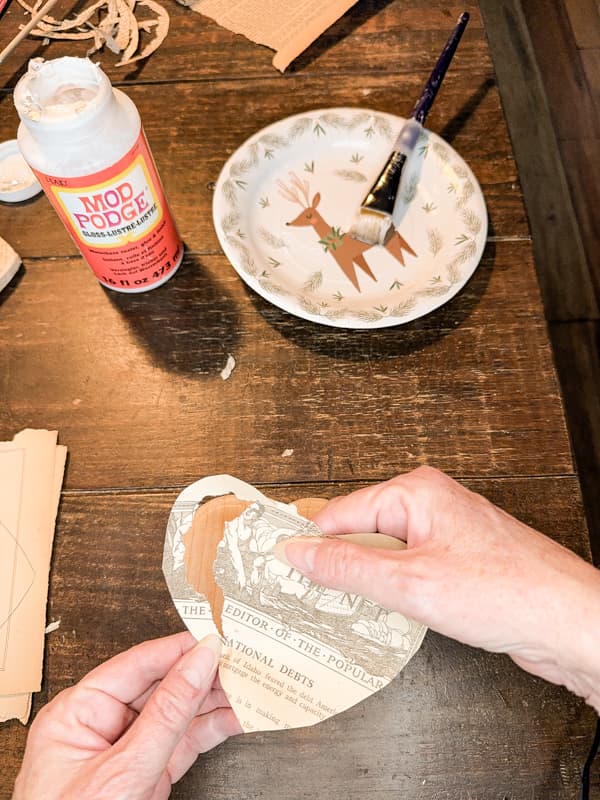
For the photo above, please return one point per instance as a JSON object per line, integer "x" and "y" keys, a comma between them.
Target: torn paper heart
{"x": 295, "y": 653}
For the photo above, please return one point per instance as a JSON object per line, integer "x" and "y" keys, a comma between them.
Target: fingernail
{"x": 298, "y": 552}
{"x": 202, "y": 660}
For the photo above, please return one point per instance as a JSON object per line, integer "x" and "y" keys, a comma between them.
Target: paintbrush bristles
{"x": 371, "y": 227}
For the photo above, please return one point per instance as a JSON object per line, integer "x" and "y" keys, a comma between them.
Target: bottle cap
{"x": 17, "y": 181}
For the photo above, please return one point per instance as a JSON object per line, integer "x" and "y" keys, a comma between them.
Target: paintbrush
{"x": 35, "y": 18}
{"x": 374, "y": 221}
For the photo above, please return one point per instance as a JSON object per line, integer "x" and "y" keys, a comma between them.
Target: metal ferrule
{"x": 382, "y": 196}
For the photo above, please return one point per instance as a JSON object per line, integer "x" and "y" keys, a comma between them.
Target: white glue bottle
{"x": 85, "y": 143}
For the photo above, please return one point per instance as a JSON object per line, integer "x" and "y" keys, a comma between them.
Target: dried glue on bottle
{"x": 85, "y": 143}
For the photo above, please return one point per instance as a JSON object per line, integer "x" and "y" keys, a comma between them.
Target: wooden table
{"x": 133, "y": 385}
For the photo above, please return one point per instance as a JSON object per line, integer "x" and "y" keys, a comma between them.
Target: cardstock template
{"x": 294, "y": 653}
{"x": 31, "y": 475}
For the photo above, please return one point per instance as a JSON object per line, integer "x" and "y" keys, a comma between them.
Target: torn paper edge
{"x": 195, "y": 609}
{"x": 193, "y": 606}
{"x": 10, "y": 261}
{"x": 305, "y": 26}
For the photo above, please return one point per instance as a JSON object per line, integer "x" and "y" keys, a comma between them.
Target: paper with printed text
{"x": 295, "y": 653}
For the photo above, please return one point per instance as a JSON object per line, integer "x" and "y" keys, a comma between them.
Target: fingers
{"x": 382, "y": 576}
{"x": 357, "y": 512}
{"x": 163, "y": 722}
{"x": 102, "y": 719}
{"x": 216, "y": 698}
{"x": 128, "y": 675}
{"x": 204, "y": 733}
{"x": 400, "y": 507}
{"x": 141, "y": 701}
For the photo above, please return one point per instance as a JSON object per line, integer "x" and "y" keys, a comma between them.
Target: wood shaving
{"x": 161, "y": 24}
{"x": 128, "y": 29}
{"x": 111, "y": 23}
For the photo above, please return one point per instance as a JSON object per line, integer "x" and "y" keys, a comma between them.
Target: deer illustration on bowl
{"x": 348, "y": 253}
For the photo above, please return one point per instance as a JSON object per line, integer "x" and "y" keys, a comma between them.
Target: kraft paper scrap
{"x": 287, "y": 26}
{"x": 294, "y": 652}
{"x": 31, "y": 474}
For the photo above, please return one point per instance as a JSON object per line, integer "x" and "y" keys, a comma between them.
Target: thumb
{"x": 373, "y": 573}
{"x": 172, "y": 707}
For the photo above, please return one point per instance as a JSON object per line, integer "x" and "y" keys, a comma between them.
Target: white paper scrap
{"x": 228, "y": 368}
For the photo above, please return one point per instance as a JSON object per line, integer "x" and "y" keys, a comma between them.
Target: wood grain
{"x": 217, "y": 117}
{"x": 577, "y": 348}
{"x": 137, "y": 395}
{"x": 575, "y": 113}
{"x": 581, "y": 158}
{"x": 375, "y": 36}
{"x": 133, "y": 385}
{"x": 584, "y": 20}
{"x": 457, "y": 718}
{"x": 590, "y": 60}
{"x": 562, "y": 43}
{"x": 560, "y": 258}
{"x": 555, "y": 45}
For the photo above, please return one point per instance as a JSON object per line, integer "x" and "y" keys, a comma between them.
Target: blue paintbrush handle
{"x": 428, "y": 94}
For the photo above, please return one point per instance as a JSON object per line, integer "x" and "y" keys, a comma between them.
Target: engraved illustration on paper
{"x": 294, "y": 653}
{"x": 249, "y": 573}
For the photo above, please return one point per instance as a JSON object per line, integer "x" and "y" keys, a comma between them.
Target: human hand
{"x": 131, "y": 727}
{"x": 470, "y": 571}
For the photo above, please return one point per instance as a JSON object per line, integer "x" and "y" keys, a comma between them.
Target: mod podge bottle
{"x": 85, "y": 143}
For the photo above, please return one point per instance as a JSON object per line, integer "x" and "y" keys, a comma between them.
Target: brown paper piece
{"x": 31, "y": 474}
{"x": 17, "y": 706}
{"x": 286, "y": 26}
{"x": 10, "y": 261}
{"x": 201, "y": 543}
{"x": 294, "y": 652}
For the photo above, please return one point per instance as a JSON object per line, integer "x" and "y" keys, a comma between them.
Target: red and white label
{"x": 120, "y": 221}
